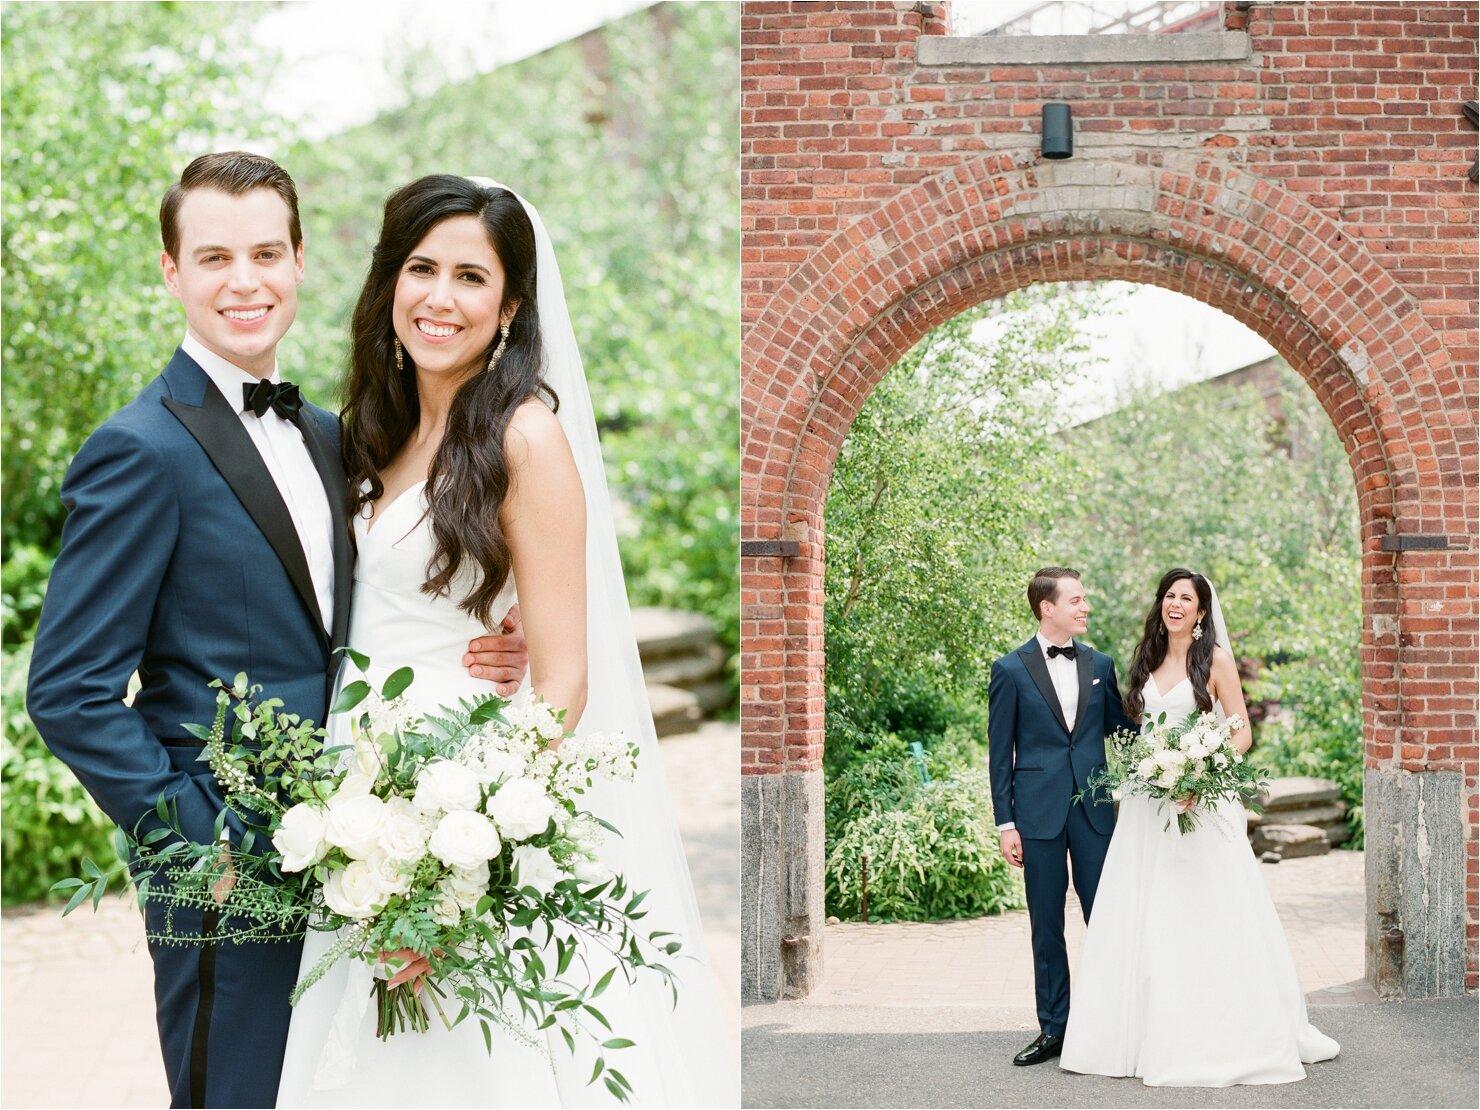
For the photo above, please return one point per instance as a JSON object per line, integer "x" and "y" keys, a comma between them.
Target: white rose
{"x": 495, "y": 766}
{"x": 355, "y": 823}
{"x": 355, "y": 891}
{"x": 1220, "y": 759}
{"x": 354, "y": 785}
{"x": 590, "y": 871}
{"x": 393, "y": 874}
{"x": 521, "y": 809}
{"x": 535, "y": 867}
{"x": 404, "y": 837}
{"x": 445, "y": 910}
{"x": 464, "y": 839}
{"x": 467, "y": 885}
{"x": 1146, "y": 768}
{"x": 300, "y": 837}
{"x": 447, "y": 786}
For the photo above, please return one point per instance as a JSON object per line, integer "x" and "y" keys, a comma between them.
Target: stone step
{"x": 1332, "y": 813}
{"x": 712, "y": 696}
{"x": 688, "y": 669}
{"x": 1295, "y": 791}
{"x": 674, "y": 710}
{"x": 664, "y": 632}
{"x": 1290, "y": 841}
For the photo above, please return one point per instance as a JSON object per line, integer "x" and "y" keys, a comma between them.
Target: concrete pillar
{"x": 1415, "y": 883}
{"x": 781, "y": 885}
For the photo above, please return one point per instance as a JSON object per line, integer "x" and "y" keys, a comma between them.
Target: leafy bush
{"x": 1319, "y": 687}
{"x": 932, "y": 847}
{"x": 48, "y": 824}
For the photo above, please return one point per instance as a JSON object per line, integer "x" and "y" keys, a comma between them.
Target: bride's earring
{"x": 1197, "y": 629}
{"x": 498, "y": 352}
{"x": 396, "y": 340}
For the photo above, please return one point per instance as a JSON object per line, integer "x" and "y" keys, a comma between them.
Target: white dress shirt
{"x": 280, "y": 443}
{"x": 1063, "y": 672}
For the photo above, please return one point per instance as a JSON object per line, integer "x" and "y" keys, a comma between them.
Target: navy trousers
{"x": 1046, "y": 866}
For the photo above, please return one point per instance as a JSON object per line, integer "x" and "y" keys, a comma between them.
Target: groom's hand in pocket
{"x": 501, "y": 656}
{"x": 1012, "y": 846}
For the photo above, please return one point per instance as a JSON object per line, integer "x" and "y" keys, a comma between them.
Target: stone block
{"x": 781, "y": 919}
{"x": 1302, "y": 815}
{"x": 674, "y": 710}
{"x": 662, "y": 632}
{"x": 1291, "y": 841}
{"x": 1298, "y": 790}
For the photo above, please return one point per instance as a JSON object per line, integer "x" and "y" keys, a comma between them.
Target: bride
{"x": 1186, "y": 979}
{"x": 471, "y": 446}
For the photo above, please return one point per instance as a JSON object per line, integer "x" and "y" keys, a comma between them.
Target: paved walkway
{"x": 930, "y": 1014}
{"x": 77, "y": 1014}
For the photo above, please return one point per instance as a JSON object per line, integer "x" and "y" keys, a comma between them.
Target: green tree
{"x": 103, "y": 104}
{"x": 1205, "y": 477}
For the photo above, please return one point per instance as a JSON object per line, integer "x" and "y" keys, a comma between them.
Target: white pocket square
{"x": 1096, "y": 682}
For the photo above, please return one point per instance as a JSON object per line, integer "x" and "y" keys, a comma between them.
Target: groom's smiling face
{"x": 1067, "y": 614}
{"x": 237, "y": 274}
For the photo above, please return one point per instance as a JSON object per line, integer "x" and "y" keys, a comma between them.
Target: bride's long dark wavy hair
{"x": 1152, "y": 649}
{"x": 469, "y": 475}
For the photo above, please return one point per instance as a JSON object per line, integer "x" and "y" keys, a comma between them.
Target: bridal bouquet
{"x": 447, "y": 849}
{"x": 1195, "y": 758}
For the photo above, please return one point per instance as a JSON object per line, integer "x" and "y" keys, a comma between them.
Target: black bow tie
{"x": 282, "y": 398}
{"x": 1066, "y": 652}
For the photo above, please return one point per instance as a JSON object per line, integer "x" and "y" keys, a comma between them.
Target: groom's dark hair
{"x": 1045, "y": 586}
{"x": 233, "y": 172}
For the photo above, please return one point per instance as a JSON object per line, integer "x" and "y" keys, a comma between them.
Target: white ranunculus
{"x": 300, "y": 837}
{"x": 1146, "y": 768}
{"x": 355, "y": 823}
{"x": 521, "y": 809}
{"x": 356, "y": 891}
{"x": 464, "y": 839}
{"x": 537, "y": 868}
{"x": 448, "y": 787}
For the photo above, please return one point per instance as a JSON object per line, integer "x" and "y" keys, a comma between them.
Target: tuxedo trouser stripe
{"x": 201, "y": 1039}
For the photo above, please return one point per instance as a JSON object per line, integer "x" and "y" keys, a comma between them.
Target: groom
{"x": 207, "y": 534}
{"x": 1051, "y": 704}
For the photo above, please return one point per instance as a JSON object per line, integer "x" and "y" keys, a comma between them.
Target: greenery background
{"x": 953, "y": 487}
{"x": 625, "y": 138}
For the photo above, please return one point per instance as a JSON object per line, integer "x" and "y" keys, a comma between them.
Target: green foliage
{"x": 941, "y": 501}
{"x": 48, "y": 824}
{"x": 626, "y": 141}
{"x": 932, "y": 847}
{"x": 1204, "y": 478}
{"x": 103, "y": 105}
{"x": 937, "y": 515}
{"x": 1318, "y": 685}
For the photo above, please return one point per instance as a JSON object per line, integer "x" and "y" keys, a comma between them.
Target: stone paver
{"x": 986, "y": 963}
{"x": 76, "y": 1007}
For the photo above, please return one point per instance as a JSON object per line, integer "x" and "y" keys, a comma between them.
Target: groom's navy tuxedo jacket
{"x": 1037, "y": 765}
{"x": 179, "y": 559}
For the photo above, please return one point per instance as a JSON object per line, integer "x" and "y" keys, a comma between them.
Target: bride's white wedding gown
{"x": 1186, "y": 979}
{"x": 333, "y": 1056}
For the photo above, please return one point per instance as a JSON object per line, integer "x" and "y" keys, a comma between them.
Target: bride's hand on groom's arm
{"x": 500, "y": 657}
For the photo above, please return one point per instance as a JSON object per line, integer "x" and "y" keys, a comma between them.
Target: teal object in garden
{"x": 917, "y": 750}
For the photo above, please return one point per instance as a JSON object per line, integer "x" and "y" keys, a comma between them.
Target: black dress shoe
{"x": 1046, "y": 1047}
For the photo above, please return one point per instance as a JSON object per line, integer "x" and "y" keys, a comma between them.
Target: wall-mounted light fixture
{"x": 1058, "y": 131}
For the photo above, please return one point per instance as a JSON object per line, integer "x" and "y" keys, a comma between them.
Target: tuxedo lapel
{"x": 336, "y": 486}
{"x": 1085, "y": 663}
{"x": 218, "y": 430}
{"x": 1032, "y": 657}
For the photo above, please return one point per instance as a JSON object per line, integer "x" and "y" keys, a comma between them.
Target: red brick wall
{"x": 1316, "y": 191}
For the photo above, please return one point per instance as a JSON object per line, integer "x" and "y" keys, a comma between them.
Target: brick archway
{"x": 818, "y": 343}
